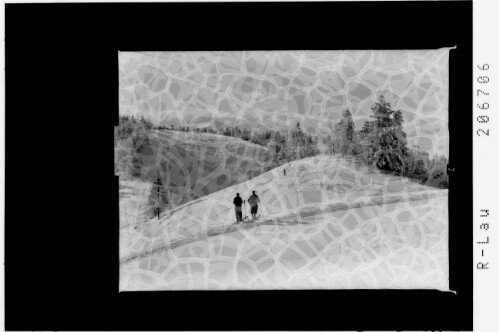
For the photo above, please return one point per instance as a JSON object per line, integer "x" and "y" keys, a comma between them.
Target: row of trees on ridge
{"x": 381, "y": 142}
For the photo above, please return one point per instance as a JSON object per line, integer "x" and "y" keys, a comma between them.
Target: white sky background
{"x": 275, "y": 89}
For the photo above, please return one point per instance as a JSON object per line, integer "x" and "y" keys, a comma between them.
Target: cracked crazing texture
{"x": 330, "y": 221}
{"x": 272, "y": 90}
{"x": 193, "y": 165}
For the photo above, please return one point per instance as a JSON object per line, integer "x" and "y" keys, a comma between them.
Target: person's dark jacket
{"x": 253, "y": 200}
{"x": 238, "y": 201}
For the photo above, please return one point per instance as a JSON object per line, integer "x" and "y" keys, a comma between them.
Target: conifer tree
{"x": 386, "y": 143}
{"x": 346, "y": 133}
{"x": 158, "y": 197}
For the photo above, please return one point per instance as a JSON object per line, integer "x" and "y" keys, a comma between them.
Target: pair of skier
{"x": 253, "y": 201}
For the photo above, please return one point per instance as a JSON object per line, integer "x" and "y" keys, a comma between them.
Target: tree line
{"x": 283, "y": 147}
{"x": 382, "y": 142}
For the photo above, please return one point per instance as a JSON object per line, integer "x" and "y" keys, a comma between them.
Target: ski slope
{"x": 192, "y": 164}
{"x": 330, "y": 222}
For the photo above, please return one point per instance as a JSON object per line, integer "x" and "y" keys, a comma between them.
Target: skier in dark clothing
{"x": 238, "y": 201}
{"x": 253, "y": 200}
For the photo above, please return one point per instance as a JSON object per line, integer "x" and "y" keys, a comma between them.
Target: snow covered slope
{"x": 192, "y": 165}
{"x": 329, "y": 222}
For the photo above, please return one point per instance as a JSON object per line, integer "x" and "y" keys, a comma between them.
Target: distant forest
{"x": 381, "y": 143}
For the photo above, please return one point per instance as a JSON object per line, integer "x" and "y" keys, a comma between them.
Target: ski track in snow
{"x": 290, "y": 219}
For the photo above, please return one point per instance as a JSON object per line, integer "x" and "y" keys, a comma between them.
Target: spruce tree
{"x": 344, "y": 138}
{"x": 386, "y": 143}
{"x": 158, "y": 197}
{"x": 366, "y": 129}
{"x": 347, "y": 134}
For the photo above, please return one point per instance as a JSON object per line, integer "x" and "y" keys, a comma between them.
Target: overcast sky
{"x": 275, "y": 89}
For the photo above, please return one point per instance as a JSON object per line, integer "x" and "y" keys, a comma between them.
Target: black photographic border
{"x": 61, "y": 204}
